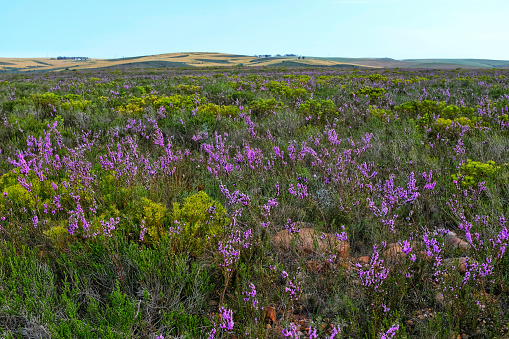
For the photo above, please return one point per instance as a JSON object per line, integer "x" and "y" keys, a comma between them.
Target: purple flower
{"x": 227, "y": 319}
{"x": 391, "y": 332}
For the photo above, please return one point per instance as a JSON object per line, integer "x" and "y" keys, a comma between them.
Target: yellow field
{"x": 160, "y": 60}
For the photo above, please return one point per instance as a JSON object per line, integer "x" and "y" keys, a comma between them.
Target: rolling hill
{"x": 205, "y": 59}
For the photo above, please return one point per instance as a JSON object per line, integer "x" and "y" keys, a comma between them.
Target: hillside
{"x": 205, "y": 59}
{"x": 423, "y": 63}
{"x": 164, "y": 60}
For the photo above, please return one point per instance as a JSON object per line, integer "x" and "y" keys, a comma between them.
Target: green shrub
{"x": 262, "y": 106}
{"x": 377, "y": 77}
{"x": 452, "y": 127}
{"x": 380, "y": 113}
{"x": 80, "y": 105}
{"x": 58, "y": 236}
{"x": 218, "y": 110}
{"x": 198, "y": 220}
{"x": 284, "y": 89}
{"x": 154, "y": 214}
{"x": 372, "y": 92}
{"x": 45, "y": 99}
{"x": 319, "y": 108}
{"x": 172, "y": 103}
{"x": 473, "y": 172}
{"x": 188, "y": 89}
{"x": 20, "y": 197}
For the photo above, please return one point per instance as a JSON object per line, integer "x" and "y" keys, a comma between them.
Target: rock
{"x": 313, "y": 266}
{"x": 394, "y": 250}
{"x": 453, "y": 240}
{"x": 345, "y": 265}
{"x": 309, "y": 241}
{"x": 459, "y": 264}
{"x": 423, "y": 255}
{"x": 363, "y": 260}
{"x": 270, "y": 314}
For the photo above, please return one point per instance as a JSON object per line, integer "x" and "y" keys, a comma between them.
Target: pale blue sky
{"x": 344, "y": 28}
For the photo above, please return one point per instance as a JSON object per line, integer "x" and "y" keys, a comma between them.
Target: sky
{"x": 399, "y": 29}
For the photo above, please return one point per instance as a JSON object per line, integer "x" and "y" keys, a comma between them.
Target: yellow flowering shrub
{"x": 473, "y": 172}
{"x": 196, "y": 221}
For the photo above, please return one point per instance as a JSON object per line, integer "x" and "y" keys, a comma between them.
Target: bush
{"x": 380, "y": 113}
{"x": 453, "y": 127}
{"x": 218, "y": 110}
{"x": 473, "y": 172}
{"x": 197, "y": 221}
{"x": 262, "y": 106}
{"x": 372, "y": 92}
{"x": 377, "y": 77}
{"x": 284, "y": 89}
{"x": 318, "y": 108}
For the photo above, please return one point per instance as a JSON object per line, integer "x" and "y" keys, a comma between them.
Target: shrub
{"x": 76, "y": 105}
{"x": 154, "y": 214}
{"x": 263, "y": 106}
{"x": 372, "y": 92}
{"x": 380, "y": 113}
{"x": 452, "y": 127}
{"x": 473, "y": 172}
{"x": 320, "y": 108}
{"x": 196, "y": 221}
{"x": 218, "y": 110}
{"x": 58, "y": 236}
{"x": 284, "y": 89}
{"x": 377, "y": 77}
{"x": 19, "y": 197}
{"x": 178, "y": 102}
{"x": 172, "y": 103}
{"x": 43, "y": 100}
{"x": 188, "y": 89}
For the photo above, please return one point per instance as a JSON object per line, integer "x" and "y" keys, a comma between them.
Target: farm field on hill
{"x": 188, "y": 60}
{"x": 254, "y": 203}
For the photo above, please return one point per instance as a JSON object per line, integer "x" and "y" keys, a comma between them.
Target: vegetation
{"x": 254, "y": 203}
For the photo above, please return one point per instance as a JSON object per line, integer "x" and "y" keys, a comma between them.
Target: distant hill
{"x": 163, "y": 60}
{"x": 474, "y": 63}
{"x": 205, "y": 59}
{"x": 424, "y": 63}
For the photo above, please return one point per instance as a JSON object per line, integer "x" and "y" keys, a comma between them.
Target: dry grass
{"x": 198, "y": 59}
